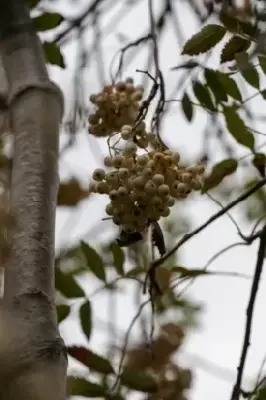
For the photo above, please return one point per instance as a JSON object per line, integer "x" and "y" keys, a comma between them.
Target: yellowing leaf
{"x": 140, "y": 381}
{"x": 187, "y": 107}
{"x": 204, "y": 40}
{"x": 237, "y": 128}
{"x": 235, "y": 45}
{"x": 85, "y": 315}
{"x": 94, "y": 261}
{"x": 91, "y": 360}
{"x": 218, "y": 173}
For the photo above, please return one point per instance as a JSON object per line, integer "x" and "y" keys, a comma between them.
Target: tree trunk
{"x": 32, "y": 354}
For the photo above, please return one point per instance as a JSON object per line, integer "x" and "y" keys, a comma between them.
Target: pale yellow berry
{"x": 182, "y": 187}
{"x": 151, "y": 164}
{"x": 165, "y": 212}
{"x": 129, "y": 80}
{"x": 111, "y": 178}
{"x": 150, "y": 187}
{"x": 143, "y": 143}
{"x": 192, "y": 171}
{"x": 163, "y": 190}
{"x": 156, "y": 201}
{"x": 125, "y": 135}
{"x": 200, "y": 169}
{"x": 118, "y": 161}
{"x": 196, "y": 184}
{"x": 129, "y": 163}
{"x": 113, "y": 195}
{"x": 126, "y": 128}
{"x": 102, "y": 188}
{"x": 130, "y": 149}
{"x": 122, "y": 192}
{"x": 158, "y": 179}
{"x": 109, "y": 209}
{"x": 170, "y": 202}
{"x": 147, "y": 173}
{"x": 139, "y": 182}
{"x": 123, "y": 173}
{"x": 108, "y": 161}
{"x": 93, "y": 187}
{"x": 158, "y": 157}
{"x": 186, "y": 177}
{"x": 142, "y": 160}
{"x": 129, "y": 184}
{"x": 139, "y": 88}
{"x": 98, "y": 174}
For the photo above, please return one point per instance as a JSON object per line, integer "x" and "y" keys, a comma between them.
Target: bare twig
{"x": 250, "y": 311}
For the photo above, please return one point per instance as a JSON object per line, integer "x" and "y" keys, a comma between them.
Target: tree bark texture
{"x": 32, "y": 354}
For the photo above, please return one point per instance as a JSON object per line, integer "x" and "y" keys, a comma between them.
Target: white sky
{"x": 219, "y": 338}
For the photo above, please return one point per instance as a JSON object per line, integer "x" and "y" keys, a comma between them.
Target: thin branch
{"x": 250, "y": 311}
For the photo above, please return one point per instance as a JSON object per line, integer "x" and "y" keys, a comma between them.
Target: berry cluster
{"x": 116, "y": 105}
{"x": 143, "y": 188}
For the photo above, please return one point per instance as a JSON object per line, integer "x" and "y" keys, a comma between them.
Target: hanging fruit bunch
{"x": 146, "y": 179}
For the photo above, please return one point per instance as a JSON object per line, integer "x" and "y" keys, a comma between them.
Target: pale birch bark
{"x": 32, "y": 354}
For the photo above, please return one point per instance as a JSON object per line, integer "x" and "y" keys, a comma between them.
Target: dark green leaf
{"x": 230, "y": 22}
{"x": 237, "y": 128}
{"x": 94, "y": 261}
{"x": 134, "y": 272}
{"x": 91, "y": 360}
{"x": 53, "y": 54}
{"x": 204, "y": 40}
{"x": 235, "y": 45}
{"x": 82, "y": 387}
{"x": 263, "y": 93}
{"x": 47, "y": 21}
{"x": 259, "y": 162}
{"x": 218, "y": 173}
{"x": 118, "y": 257}
{"x": 229, "y": 85}
{"x": 215, "y": 85}
{"x": 32, "y": 3}
{"x": 248, "y": 28}
{"x": 203, "y": 96}
{"x": 187, "y": 107}
{"x": 140, "y": 381}
{"x": 63, "y": 311}
{"x": 85, "y": 315}
{"x": 67, "y": 285}
{"x": 190, "y": 273}
{"x": 262, "y": 62}
{"x": 251, "y": 76}
{"x": 187, "y": 65}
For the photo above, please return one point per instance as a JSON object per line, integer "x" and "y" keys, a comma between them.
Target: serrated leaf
{"x": 203, "y": 96}
{"x": 91, "y": 360}
{"x": 237, "y": 128}
{"x": 230, "y": 22}
{"x": 235, "y": 45}
{"x": 204, "y": 40}
{"x": 82, "y": 387}
{"x": 67, "y": 285}
{"x": 94, "y": 261}
{"x": 63, "y": 311}
{"x": 251, "y": 76}
{"x": 229, "y": 85}
{"x": 187, "y": 107}
{"x": 47, "y": 21}
{"x": 85, "y": 315}
{"x": 118, "y": 258}
{"x": 218, "y": 173}
{"x": 262, "y": 62}
{"x": 53, "y": 54}
{"x": 215, "y": 85}
{"x": 139, "y": 381}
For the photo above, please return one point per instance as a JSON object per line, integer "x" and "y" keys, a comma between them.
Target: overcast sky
{"x": 212, "y": 351}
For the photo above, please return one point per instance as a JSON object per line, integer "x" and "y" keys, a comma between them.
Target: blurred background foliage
{"x": 150, "y": 365}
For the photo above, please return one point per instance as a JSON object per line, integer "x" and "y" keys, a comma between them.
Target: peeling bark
{"x": 32, "y": 354}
